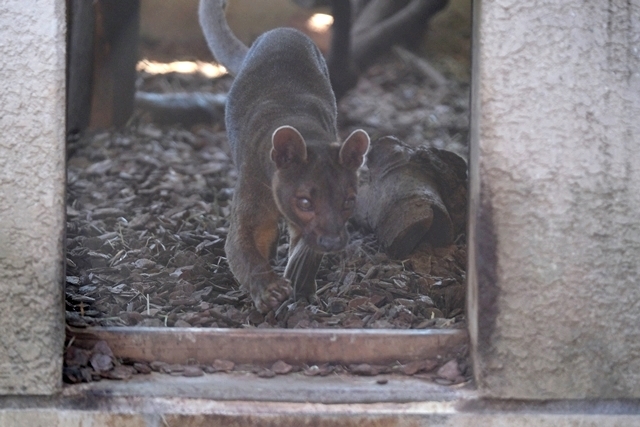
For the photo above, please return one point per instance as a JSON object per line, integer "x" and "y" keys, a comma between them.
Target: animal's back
{"x": 283, "y": 79}
{"x": 286, "y": 59}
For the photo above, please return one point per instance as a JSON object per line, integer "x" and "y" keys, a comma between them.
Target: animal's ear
{"x": 288, "y": 147}
{"x": 354, "y": 149}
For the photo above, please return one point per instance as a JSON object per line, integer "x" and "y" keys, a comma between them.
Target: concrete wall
{"x": 287, "y": 415}
{"x": 204, "y": 413}
{"x": 32, "y": 177}
{"x": 556, "y": 199}
{"x": 554, "y": 295}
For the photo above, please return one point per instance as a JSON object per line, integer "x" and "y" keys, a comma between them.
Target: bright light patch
{"x": 209, "y": 69}
{"x": 320, "y": 22}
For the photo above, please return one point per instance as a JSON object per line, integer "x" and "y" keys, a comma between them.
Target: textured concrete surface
{"x": 555, "y": 202}
{"x": 291, "y": 388}
{"x": 556, "y": 199}
{"x": 196, "y": 413}
{"x": 32, "y": 105}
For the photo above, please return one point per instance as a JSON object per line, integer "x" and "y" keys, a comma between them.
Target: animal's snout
{"x": 331, "y": 243}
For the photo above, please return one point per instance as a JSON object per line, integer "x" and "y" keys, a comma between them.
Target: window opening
{"x": 149, "y": 202}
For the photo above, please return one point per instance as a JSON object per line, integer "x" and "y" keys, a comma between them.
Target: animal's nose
{"x": 330, "y": 243}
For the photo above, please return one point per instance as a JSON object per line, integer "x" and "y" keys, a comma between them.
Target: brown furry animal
{"x": 281, "y": 123}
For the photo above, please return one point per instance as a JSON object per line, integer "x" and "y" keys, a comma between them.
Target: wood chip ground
{"x": 148, "y": 208}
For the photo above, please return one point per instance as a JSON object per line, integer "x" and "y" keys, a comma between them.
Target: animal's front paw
{"x": 269, "y": 296}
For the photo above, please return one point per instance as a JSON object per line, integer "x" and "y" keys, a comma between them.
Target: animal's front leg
{"x": 302, "y": 266}
{"x": 248, "y": 247}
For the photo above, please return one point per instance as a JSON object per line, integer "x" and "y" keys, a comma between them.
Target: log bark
{"x": 412, "y": 195}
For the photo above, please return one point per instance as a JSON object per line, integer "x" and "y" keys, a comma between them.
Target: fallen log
{"x": 412, "y": 195}
{"x": 188, "y": 108}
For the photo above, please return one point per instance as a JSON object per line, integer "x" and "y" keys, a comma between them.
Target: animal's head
{"x": 315, "y": 185}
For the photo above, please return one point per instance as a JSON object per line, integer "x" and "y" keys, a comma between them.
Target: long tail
{"x": 225, "y": 46}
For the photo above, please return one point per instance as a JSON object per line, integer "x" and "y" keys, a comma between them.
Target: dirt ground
{"x": 148, "y": 210}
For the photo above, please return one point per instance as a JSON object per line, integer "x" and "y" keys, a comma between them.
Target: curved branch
{"x": 402, "y": 26}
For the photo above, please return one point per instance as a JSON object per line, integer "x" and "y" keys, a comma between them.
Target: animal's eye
{"x": 304, "y": 204}
{"x": 349, "y": 204}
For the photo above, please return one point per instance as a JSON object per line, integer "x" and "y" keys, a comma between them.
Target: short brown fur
{"x": 281, "y": 123}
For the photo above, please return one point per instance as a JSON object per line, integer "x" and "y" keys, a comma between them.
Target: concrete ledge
{"x": 291, "y": 388}
{"x": 82, "y": 406}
